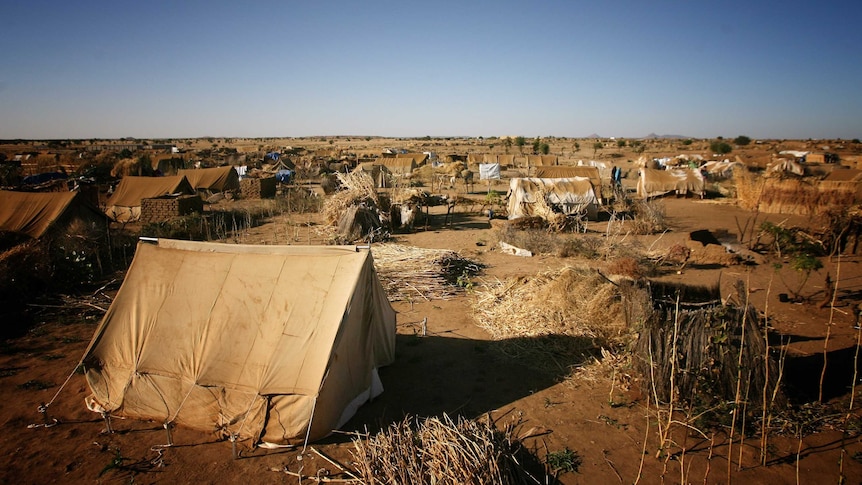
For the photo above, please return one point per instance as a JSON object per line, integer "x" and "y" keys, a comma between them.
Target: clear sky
{"x": 170, "y": 69}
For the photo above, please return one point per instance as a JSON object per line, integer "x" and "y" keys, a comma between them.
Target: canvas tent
{"x": 418, "y": 158}
{"x": 399, "y": 166}
{"x": 541, "y": 160}
{"x": 654, "y": 182}
{"x": 378, "y": 173}
{"x": 218, "y": 179}
{"x": 569, "y": 196}
{"x": 36, "y": 213}
{"x": 125, "y": 203}
{"x": 276, "y": 344}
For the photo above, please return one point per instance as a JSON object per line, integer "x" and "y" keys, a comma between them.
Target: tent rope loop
{"x": 47, "y": 422}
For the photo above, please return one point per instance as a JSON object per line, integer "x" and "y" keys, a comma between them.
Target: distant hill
{"x": 669, "y": 137}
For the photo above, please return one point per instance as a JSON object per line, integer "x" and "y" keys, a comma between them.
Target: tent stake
{"x": 233, "y": 438}
{"x": 107, "y": 418}
{"x": 168, "y": 425}
{"x": 43, "y": 410}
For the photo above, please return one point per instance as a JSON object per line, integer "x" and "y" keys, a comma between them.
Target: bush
{"x": 720, "y": 147}
{"x": 741, "y": 140}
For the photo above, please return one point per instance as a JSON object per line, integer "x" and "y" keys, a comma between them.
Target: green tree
{"x": 545, "y": 148}
{"x": 536, "y": 144}
{"x": 687, "y": 142}
{"x": 720, "y": 147}
{"x": 741, "y": 140}
{"x": 621, "y": 144}
{"x": 520, "y": 142}
{"x": 597, "y": 146}
{"x": 577, "y": 146}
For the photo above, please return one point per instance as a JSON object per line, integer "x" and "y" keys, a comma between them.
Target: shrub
{"x": 720, "y": 147}
{"x": 741, "y": 140}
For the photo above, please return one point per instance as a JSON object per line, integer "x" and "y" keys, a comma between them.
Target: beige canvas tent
{"x": 654, "y": 182}
{"x": 399, "y": 166}
{"x": 561, "y": 172}
{"x": 541, "y": 160}
{"x": 125, "y": 204}
{"x": 218, "y": 179}
{"x": 275, "y": 344}
{"x": 418, "y": 158}
{"x": 568, "y": 196}
{"x": 36, "y": 213}
{"x": 378, "y": 173}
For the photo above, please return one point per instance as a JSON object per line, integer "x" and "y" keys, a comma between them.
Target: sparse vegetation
{"x": 720, "y": 147}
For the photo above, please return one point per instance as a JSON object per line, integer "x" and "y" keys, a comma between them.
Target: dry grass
{"x": 443, "y": 451}
{"x": 576, "y": 302}
{"x": 410, "y": 273}
{"x": 749, "y": 188}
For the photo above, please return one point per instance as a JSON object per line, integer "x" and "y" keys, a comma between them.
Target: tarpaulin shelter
{"x": 217, "y": 179}
{"x": 654, "y": 182}
{"x": 569, "y": 196}
{"x": 555, "y": 172}
{"x": 489, "y": 171}
{"x": 36, "y": 213}
{"x": 276, "y": 344}
{"x": 125, "y": 203}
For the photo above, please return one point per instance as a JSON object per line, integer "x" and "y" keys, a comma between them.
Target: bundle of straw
{"x": 442, "y": 451}
{"x": 410, "y": 273}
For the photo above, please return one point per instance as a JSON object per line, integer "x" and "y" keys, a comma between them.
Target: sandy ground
{"x": 455, "y": 368}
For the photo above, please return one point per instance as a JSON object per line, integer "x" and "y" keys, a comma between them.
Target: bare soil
{"x": 455, "y": 368}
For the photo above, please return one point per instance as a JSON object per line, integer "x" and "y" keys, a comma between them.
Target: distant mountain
{"x": 594, "y": 135}
{"x": 669, "y": 137}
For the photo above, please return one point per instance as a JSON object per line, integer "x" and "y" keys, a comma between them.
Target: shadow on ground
{"x": 463, "y": 377}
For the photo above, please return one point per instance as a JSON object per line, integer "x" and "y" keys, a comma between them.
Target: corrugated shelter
{"x": 570, "y": 196}
{"x": 561, "y": 172}
{"x": 654, "y": 182}
{"x": 218, "y": 179}
{"x": 37, "y": 213}
{"x": 125, "y": 204}
{"x": 276, "y": 344}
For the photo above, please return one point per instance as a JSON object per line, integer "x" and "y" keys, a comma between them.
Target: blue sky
{"x": 170, "y": 69}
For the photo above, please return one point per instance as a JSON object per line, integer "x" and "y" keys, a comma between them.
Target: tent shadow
{"x": 462, "y": 377}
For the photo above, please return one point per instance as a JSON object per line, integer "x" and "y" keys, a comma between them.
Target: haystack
{"x": 353, "y": 209}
